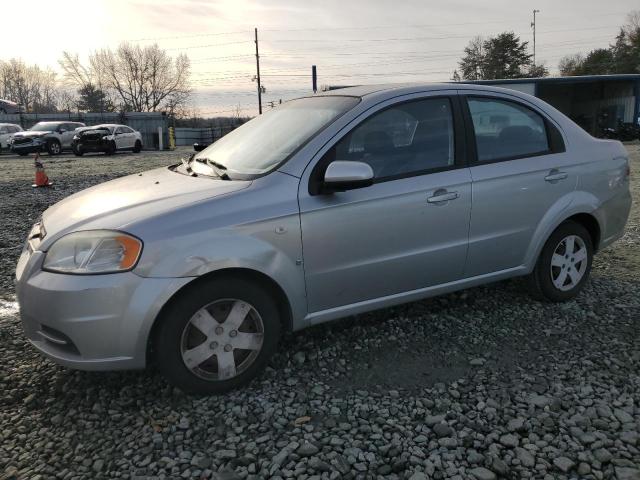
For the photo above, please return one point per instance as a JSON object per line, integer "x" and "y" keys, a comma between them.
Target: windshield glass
{"x": 44, "y": 127}
{"x": 264, "y": 142}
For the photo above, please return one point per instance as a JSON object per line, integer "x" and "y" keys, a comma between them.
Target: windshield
{"x": 44, "y": 127}
{"x": 261, "y": 144}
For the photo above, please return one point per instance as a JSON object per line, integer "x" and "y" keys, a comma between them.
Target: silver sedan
{"x": 325, "y": 207}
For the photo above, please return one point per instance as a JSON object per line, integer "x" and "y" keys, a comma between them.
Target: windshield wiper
{"x": 218, "y": 168}
{"x": 187, "y": 165}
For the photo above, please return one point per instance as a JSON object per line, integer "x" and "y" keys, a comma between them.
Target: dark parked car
{"x": 7, "y": 106}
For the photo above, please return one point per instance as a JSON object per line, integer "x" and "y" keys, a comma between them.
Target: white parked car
{"x": 6, "y": 130}
{"x": 107, "y": 138}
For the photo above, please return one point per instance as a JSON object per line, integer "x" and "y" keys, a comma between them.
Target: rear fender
{"x": 567, "y": 206}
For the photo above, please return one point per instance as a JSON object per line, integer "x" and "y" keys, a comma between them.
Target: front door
{"x": 520, "y": 173}
{"x": 407, "y": 231}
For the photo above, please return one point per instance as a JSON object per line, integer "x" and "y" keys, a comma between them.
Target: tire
{"x": 78, "y": 152}
{"x": 137, "y": 147}
{"x": 176, "y": 335}
{"x": 563, "y": 279}
{"x": 54, "y": 147}
{"x": 111, "y": 149}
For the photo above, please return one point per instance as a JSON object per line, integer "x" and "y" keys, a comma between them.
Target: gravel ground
{"x": 481, "y": 384}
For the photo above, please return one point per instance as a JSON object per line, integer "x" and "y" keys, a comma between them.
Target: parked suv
{"x": 6, "y": 131}
{"x": 325, "y": 207}
{"x": 107, "y": 138}
{"x": 52, "y": 137}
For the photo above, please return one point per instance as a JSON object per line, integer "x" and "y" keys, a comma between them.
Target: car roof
{"x": 9, "y": 125}
{"x": 109, "y": 125}
{"x": 395, "y": 89}
{"x": 53, "y": 122}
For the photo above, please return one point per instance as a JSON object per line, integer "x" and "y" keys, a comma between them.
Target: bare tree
{"x": 29, "y": 85}
{"x": 144, "y": 79}
{"x": 472, "y": 64}
{"x": 67, "y": 101}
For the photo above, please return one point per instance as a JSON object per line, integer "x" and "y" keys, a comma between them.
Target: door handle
{"x": 555, "y": 175}
{"x": 442, "y": 196}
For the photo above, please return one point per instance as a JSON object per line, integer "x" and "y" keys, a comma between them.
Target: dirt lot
{"x": 485, "y": 383}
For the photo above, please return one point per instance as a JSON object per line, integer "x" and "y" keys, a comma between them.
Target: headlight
{"x": 93, "y": 251}
{"x": 76, "y": 137}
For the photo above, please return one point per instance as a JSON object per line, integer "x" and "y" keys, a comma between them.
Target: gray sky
{"x": 351, "y": 42}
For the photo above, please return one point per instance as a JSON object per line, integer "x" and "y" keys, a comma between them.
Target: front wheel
{"x": 111, "y": 148}
{"x": 218, "y": 335}
{"x": 137, "y": 147}
{"x": 54, "y": 147}
{"x": 564, "y": 263}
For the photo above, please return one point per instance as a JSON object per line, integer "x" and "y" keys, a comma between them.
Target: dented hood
{"x": 121, "y": 202}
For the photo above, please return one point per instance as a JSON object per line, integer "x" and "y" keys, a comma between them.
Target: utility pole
{"x": 314, "y": 78}
{"x": 533, "y": 25}
{"x": 258, "y": 75}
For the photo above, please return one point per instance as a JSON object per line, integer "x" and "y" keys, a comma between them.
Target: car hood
{"x": 121, "y": 202}
{"x": 32, "y": 134}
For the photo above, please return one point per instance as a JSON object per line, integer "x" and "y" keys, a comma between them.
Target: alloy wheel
{"x": 222, "y": 339}
{"x": 569, "y": 263}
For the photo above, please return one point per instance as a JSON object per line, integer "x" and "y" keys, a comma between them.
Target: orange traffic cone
{"x": 41, "y": 178}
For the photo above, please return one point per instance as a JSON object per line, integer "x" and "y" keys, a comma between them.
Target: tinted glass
{"x": 264, "y": 142}
{"x": 506, "y": 129}
{"x": 408, "y": 138}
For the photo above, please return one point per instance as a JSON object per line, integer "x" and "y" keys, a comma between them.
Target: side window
{"x": 14, "y": 129}
{"x": 4, "y": 130}
{"x": 119, "y": 130}
{"x": 505, "y": 129}
{"x": 127, "y": 130}
{"x": 408, "y": 138}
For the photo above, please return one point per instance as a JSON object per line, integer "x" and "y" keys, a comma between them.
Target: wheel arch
{"x": 591, "y": 224}
{"x": 584, "y": 217}
{"x": 254, "y": 276}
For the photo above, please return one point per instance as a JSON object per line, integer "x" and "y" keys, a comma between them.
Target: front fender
{"x": 567, "y": 206}
{"x": 272, "y": 248}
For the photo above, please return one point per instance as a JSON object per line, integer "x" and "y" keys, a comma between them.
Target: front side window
{"x": 505, "y": 129}
{"x": 402, "y": 140}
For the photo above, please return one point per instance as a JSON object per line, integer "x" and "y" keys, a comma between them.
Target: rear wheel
{"x": 137, "y": 147}
{"x": 217, "y": 336}
{"x": 54, "y": 147}
{"x": 564, "y": 263}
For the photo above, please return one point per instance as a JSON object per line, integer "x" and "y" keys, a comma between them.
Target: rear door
{"x": 520, "y": 170}
{"x": 67, "y": 135}
{"x": 120, "y": 138}
{"x": 409, "y": 229}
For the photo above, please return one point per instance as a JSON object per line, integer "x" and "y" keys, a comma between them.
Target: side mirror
{"x": 344, "y": 175}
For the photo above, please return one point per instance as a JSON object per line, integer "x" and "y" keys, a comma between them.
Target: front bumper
{"x": 90, "y": 322}
{"x": 27, "y": 147}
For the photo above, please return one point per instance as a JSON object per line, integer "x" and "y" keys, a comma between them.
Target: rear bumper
{"x": 91, "y": 322}
{"x": 613, "y": 215}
